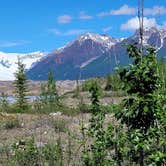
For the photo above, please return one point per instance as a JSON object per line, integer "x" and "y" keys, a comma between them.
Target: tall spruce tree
{"x": 51, "y": 88}
{"x": 49, "y": 95}
{"x": 21, "y": 87}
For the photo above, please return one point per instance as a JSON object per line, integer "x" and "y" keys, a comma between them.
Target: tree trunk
{"x": 141, "y": 152}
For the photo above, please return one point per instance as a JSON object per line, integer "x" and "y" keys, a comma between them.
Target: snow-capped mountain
{"x": 92, "y": 55}
{"x": 8, "y": 62}
{"x": 153, "y": 37}
{"x": 104, "y": 40}
{"x": 74, "y": 56}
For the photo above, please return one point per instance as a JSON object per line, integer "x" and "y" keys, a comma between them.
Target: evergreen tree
{"x": 4, "y": 104}
{"x": 51, "y": 88}
{"x": 49, "y": 95}
{"x": 21, "y": 87}
{"x": 96, "y": 154}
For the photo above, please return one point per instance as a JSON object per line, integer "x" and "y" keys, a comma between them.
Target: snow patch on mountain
{"x": 8, "y": 62}
{"x": 88, "y": 62}
{"x": 102, "y": 39}
{"x": 155, "y": 33}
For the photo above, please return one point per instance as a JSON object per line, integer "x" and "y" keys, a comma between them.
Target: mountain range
{"x": 92, "y": 55}
{"x": 89, "y": 55}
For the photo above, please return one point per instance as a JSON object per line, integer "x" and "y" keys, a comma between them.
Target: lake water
{"x": 12, "y": 99}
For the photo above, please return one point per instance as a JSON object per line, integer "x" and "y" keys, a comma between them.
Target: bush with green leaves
{"x": 52, "y": 154}
{"x": 25, "y": 153}
{"x": 142, "y": 109}
{"x": 87, "y": 84}
{"x": 96, "y": 153}
{"x": 113, "y": 82}
{"x": 59, "y": 125}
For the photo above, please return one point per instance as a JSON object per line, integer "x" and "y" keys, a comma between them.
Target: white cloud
{"x": 103, "y": 14}
{"x": 133, "y": 23}
{"x": 84, "y": 16}
{"x": 64, "y": 19}
{"x": 55, "y": 31}
{"x": 69, "y": 32}
{"x": 124, "y": 10}
{"x": 75, "y": 32}
{"x": 127, "y": 10}
{"x": 106, "y": 29}
{"x": 12, "y": 43}
{"x": 156, "y": 10}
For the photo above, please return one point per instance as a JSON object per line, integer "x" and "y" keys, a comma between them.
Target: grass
{"x": 9, "y": 121}
{"x": 60, "y": 125}
{"x": 46, "y": 131}
{"x": 47, "y": 128}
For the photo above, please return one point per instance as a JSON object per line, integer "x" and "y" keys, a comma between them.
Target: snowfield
{"x": 8, "y": 63}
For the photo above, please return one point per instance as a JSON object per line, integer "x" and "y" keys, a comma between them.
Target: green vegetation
{"x": 4, "y": 104}
{"x": 142, "y": 111}
{"x": 87, "y": 84}
{"x": 9, "y": 121}
{"x": 96, "y": 153}
{"x": 113, "y": 82}
{"x": 21, "y": 88}
{"x": 49, "y": 95}
{"x": 126, "y": 133}
{"x": 59, "y": 125}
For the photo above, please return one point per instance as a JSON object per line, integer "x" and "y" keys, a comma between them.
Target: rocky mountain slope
{"x": 75, "y": 57}
{"x": 93, "y": 55}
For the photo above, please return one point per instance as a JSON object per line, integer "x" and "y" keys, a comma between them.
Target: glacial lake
{"x": 12, "y": 99}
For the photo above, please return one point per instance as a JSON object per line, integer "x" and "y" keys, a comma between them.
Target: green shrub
{"x": 70, "y": 111}
{"x": 60, "y": 125}
{"x": 111, "y": 108}
{"x": 113, "y": 82}
{"x": 16, "y": 109}
{"x": 25, "y": 153}
{"x": 82, "y": 106}
{"x": 9, "y": 121}
{"x": 118, "y": 93}
{"x": 87, "y": 84}
{"x": 10, "y": 124}
{"x": 53, "y": 154}
{"x": 4, "y": 104}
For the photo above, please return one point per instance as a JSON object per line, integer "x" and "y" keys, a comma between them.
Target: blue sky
{"x": 44, "y": 25}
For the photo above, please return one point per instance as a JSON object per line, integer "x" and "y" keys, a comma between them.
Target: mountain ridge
{"x": 91, "y": 55}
